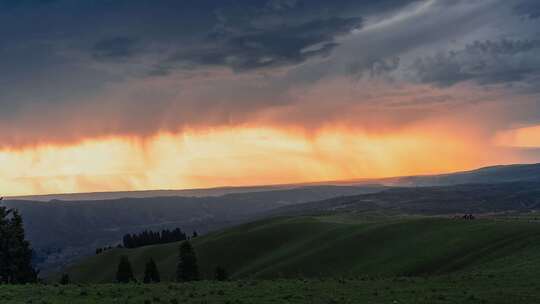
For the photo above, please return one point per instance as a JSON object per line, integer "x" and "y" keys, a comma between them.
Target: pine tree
{"x": 5, "y": 256}
{"x": 220, "y": 274}
{"x": 64, "y": 280}
{"x": 187, "y": 269}
{"x": 22, "y": 269}
{"x": 124, "y": 273}
{"x": 15, "y": 252}
{"x": 151, "y": 273}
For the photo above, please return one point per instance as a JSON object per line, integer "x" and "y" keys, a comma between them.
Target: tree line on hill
{"x": 149, "y": 237}
{"x": 15, "y": 252}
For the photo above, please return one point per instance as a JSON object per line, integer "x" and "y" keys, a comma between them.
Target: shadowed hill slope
{"x": 436, "y": 200}
{"x": 485, "y": 175}
{"x": 336, "y": 246}
{"x": 61, "y": 231}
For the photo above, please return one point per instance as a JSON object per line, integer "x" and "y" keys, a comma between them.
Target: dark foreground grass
{"x": 465, "y": 288}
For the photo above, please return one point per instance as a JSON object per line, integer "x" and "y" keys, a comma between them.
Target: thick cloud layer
{"x": 487, "y": 62}
{"x": 75, "y": 70}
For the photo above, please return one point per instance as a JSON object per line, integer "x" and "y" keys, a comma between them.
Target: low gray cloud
{"x": 486, "y": 62}
{"x": 115, "y": 48}
{"x": 530, "y": 9}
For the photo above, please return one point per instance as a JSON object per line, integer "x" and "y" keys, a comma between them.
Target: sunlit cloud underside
{"x": 238, "y": 156}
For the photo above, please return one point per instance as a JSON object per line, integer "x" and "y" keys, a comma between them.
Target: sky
{"x": 130, "y": 95}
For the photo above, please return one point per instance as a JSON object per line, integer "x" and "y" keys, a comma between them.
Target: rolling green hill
{"x": 342, "y": 246}
{"x": 63, "y": 231}
{"x": 63, "y": 228}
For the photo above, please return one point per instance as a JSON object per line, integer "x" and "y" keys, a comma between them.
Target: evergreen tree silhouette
{"x": 148, "y": 237}
{"x": 151, "y": 273}
{"x": 15, "y": 252}
{"x": 22, "y": 269}
{"x": 220, "y": 274}
{"x": 64, "y": 280}
{"x": 124, "y": 274}
{"x": 187, "y": 269}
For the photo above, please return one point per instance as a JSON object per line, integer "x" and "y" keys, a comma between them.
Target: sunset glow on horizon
{"x": 235, "y": 157}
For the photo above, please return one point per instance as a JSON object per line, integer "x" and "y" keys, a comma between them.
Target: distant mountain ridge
{"x": 98, "y": 196}
{"x": 486, "y": 175}
{"x": 491, "y": 174}
{"x": 523, "y": 196}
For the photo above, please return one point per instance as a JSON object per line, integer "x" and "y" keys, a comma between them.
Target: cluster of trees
{"x": 15, "y": 252}
{"x": 149, "y": 237}
{"x": 187, "y": 268}
{"x": 124, "y": 274}
{"x": 467, "y": 216}
{"x": 16, "y": 255}
{"x": 103, "y": 249}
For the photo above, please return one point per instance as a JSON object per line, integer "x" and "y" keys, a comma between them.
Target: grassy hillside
{"x": 342, "y": 246}
{"x": 62, "y": 231}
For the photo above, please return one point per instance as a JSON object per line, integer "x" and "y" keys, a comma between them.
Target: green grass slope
{"x": 333, "y": 246}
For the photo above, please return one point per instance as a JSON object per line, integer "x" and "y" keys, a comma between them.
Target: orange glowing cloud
{"x": 230, "y": 130}
{"x": 147, "y": 107}
{"x": 234, "y": 156}
{"x": 526, "y": 137}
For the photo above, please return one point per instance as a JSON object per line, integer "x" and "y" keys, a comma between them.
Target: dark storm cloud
{"x": 487, "y": 62}
{"x": 115, "y": 48}
{"x": 254, "y": 34}
{"x": 257, "y": 48}
{"x": 138, "y": 38}
{"x": 78, "y": 69}
{"x": 210, "y": 31}
{"x": 250, "y": 35}
{"x": 530, "y": 9}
